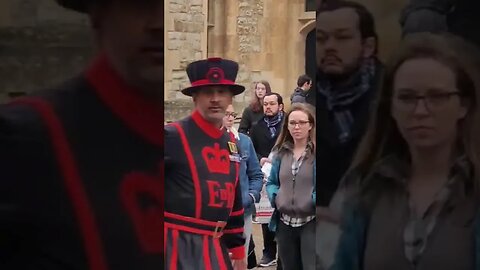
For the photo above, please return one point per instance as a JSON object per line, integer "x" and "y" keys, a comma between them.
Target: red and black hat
{"x": 213, "y": 72}
{"x": 76, "y": 5}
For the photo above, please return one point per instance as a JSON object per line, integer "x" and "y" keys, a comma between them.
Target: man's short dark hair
{"x": 366, "y": 19}
{"x": 303, "y": 79}
{"x": 279, "y": 97}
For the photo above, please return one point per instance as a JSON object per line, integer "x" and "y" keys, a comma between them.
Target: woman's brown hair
{"x": 285, "y": 135}
{"x": 256, "y": 104}
{"x": 383, "y": 138}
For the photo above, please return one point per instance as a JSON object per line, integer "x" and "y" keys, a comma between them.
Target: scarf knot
{"x": 272, "y": 123}
{"x": 339, "y": 101}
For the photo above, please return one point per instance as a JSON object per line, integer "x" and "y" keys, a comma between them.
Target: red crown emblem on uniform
{"x": 218, "y": 160}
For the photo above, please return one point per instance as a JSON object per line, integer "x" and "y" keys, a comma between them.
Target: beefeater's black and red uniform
{"x": 81, "y": 177}
{"x": 203, "y": 206}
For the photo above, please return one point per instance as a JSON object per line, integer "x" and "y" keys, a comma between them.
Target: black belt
{"x": 194, "y": 225}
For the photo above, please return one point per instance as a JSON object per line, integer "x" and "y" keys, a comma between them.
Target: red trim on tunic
{"x": 139, "y": 114}
{"x": 189, "y": 229}
{"x": 237, "y": 230}
{"x": 209, "y": 82}
{"x": 219, "y": 253}
{"x": 237, "y": 213}
{"x": 190, "y": 219}
{"x": 205, "y": 126}
{"x": 193, "y": 170}
{"x": 165, "y": 234}
{"x": 73, "y": 183}
{"x": 238, "y": 253}
{"x": 206, "y": 253}
{"x": 174, "y": 258}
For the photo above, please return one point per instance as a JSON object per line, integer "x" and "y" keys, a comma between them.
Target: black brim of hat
{"x": 235, "y": 88}
{"x": 75, "y": 5}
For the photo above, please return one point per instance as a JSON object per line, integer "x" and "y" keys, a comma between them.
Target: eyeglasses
{"x": 233, "y": 114}
{"x": 432, "y": 101}
{"x": 299, "y": 123}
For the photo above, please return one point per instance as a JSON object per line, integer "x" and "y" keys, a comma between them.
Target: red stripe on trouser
{"x": 174, "y": 258}
{"x": 218, "y": 251}
{"x": 206, "y": 253}
{"x": 165, "y": 233}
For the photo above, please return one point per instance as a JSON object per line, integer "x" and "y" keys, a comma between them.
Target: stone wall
{"x": 185, "y": 38}
{"x": 266, "y": 37}
{"x": 41, "y": 45}
{"x": 185, "y": 30}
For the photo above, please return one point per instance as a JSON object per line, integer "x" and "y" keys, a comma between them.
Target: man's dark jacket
{"x": 333, "y": 157}
{"x": 261, "y": 139}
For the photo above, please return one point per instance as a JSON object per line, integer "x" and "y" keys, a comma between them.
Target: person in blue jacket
{"x": 251, "y": 175}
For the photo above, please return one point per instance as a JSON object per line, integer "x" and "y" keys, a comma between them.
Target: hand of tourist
{"x": 263, "y": 160}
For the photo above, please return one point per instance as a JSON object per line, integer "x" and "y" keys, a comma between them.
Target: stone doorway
{"x": 310, "y": 55}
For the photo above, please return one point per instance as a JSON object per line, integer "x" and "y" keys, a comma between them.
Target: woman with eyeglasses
{"x": 414, "y": 184}
{"x": 291, "y": 189}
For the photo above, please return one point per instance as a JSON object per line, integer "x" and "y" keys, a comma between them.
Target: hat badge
{"x": 215, "y": 75}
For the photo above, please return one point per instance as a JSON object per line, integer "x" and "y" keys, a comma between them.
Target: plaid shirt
{"x": 286, "y": 219}
{"x": 419, "y": 228}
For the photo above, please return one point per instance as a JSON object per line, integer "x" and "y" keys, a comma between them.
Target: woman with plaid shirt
{"x": 412, "y": 193}
{"x": 291, "y": 189}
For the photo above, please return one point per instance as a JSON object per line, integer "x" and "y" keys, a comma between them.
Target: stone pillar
{"x": 244, "y": 40}
{"x": 186, "y": 40}
{"x": 217, "y": 32}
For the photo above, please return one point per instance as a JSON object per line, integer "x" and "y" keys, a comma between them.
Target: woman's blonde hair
{"x": 383, "y": 138}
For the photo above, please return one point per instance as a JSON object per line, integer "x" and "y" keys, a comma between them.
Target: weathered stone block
{"x": 198, "y": 9}
{"x": 178, "y": 74}
{"x": 195, "y": 27}
{"x": 196, "y": 2}
{"x": 178, "y": 109}
{"x": 199, "y": 18}
{"x": 174, "y": 44}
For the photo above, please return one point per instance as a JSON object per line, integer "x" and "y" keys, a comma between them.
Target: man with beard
{"x": 348, "y": 73}
{"x": 204, "y": 215}
{"x": 264, "y": 135}
{"x": 81, "y": 164}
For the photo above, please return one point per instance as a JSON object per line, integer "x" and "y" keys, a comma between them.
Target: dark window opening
{"x": 310, "y": 5}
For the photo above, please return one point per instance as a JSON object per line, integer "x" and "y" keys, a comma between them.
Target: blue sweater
{"x": 251, "y": 175}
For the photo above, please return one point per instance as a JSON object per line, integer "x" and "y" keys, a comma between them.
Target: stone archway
{"x": 310, "y": 53}
{"x": 308, "y": 33}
